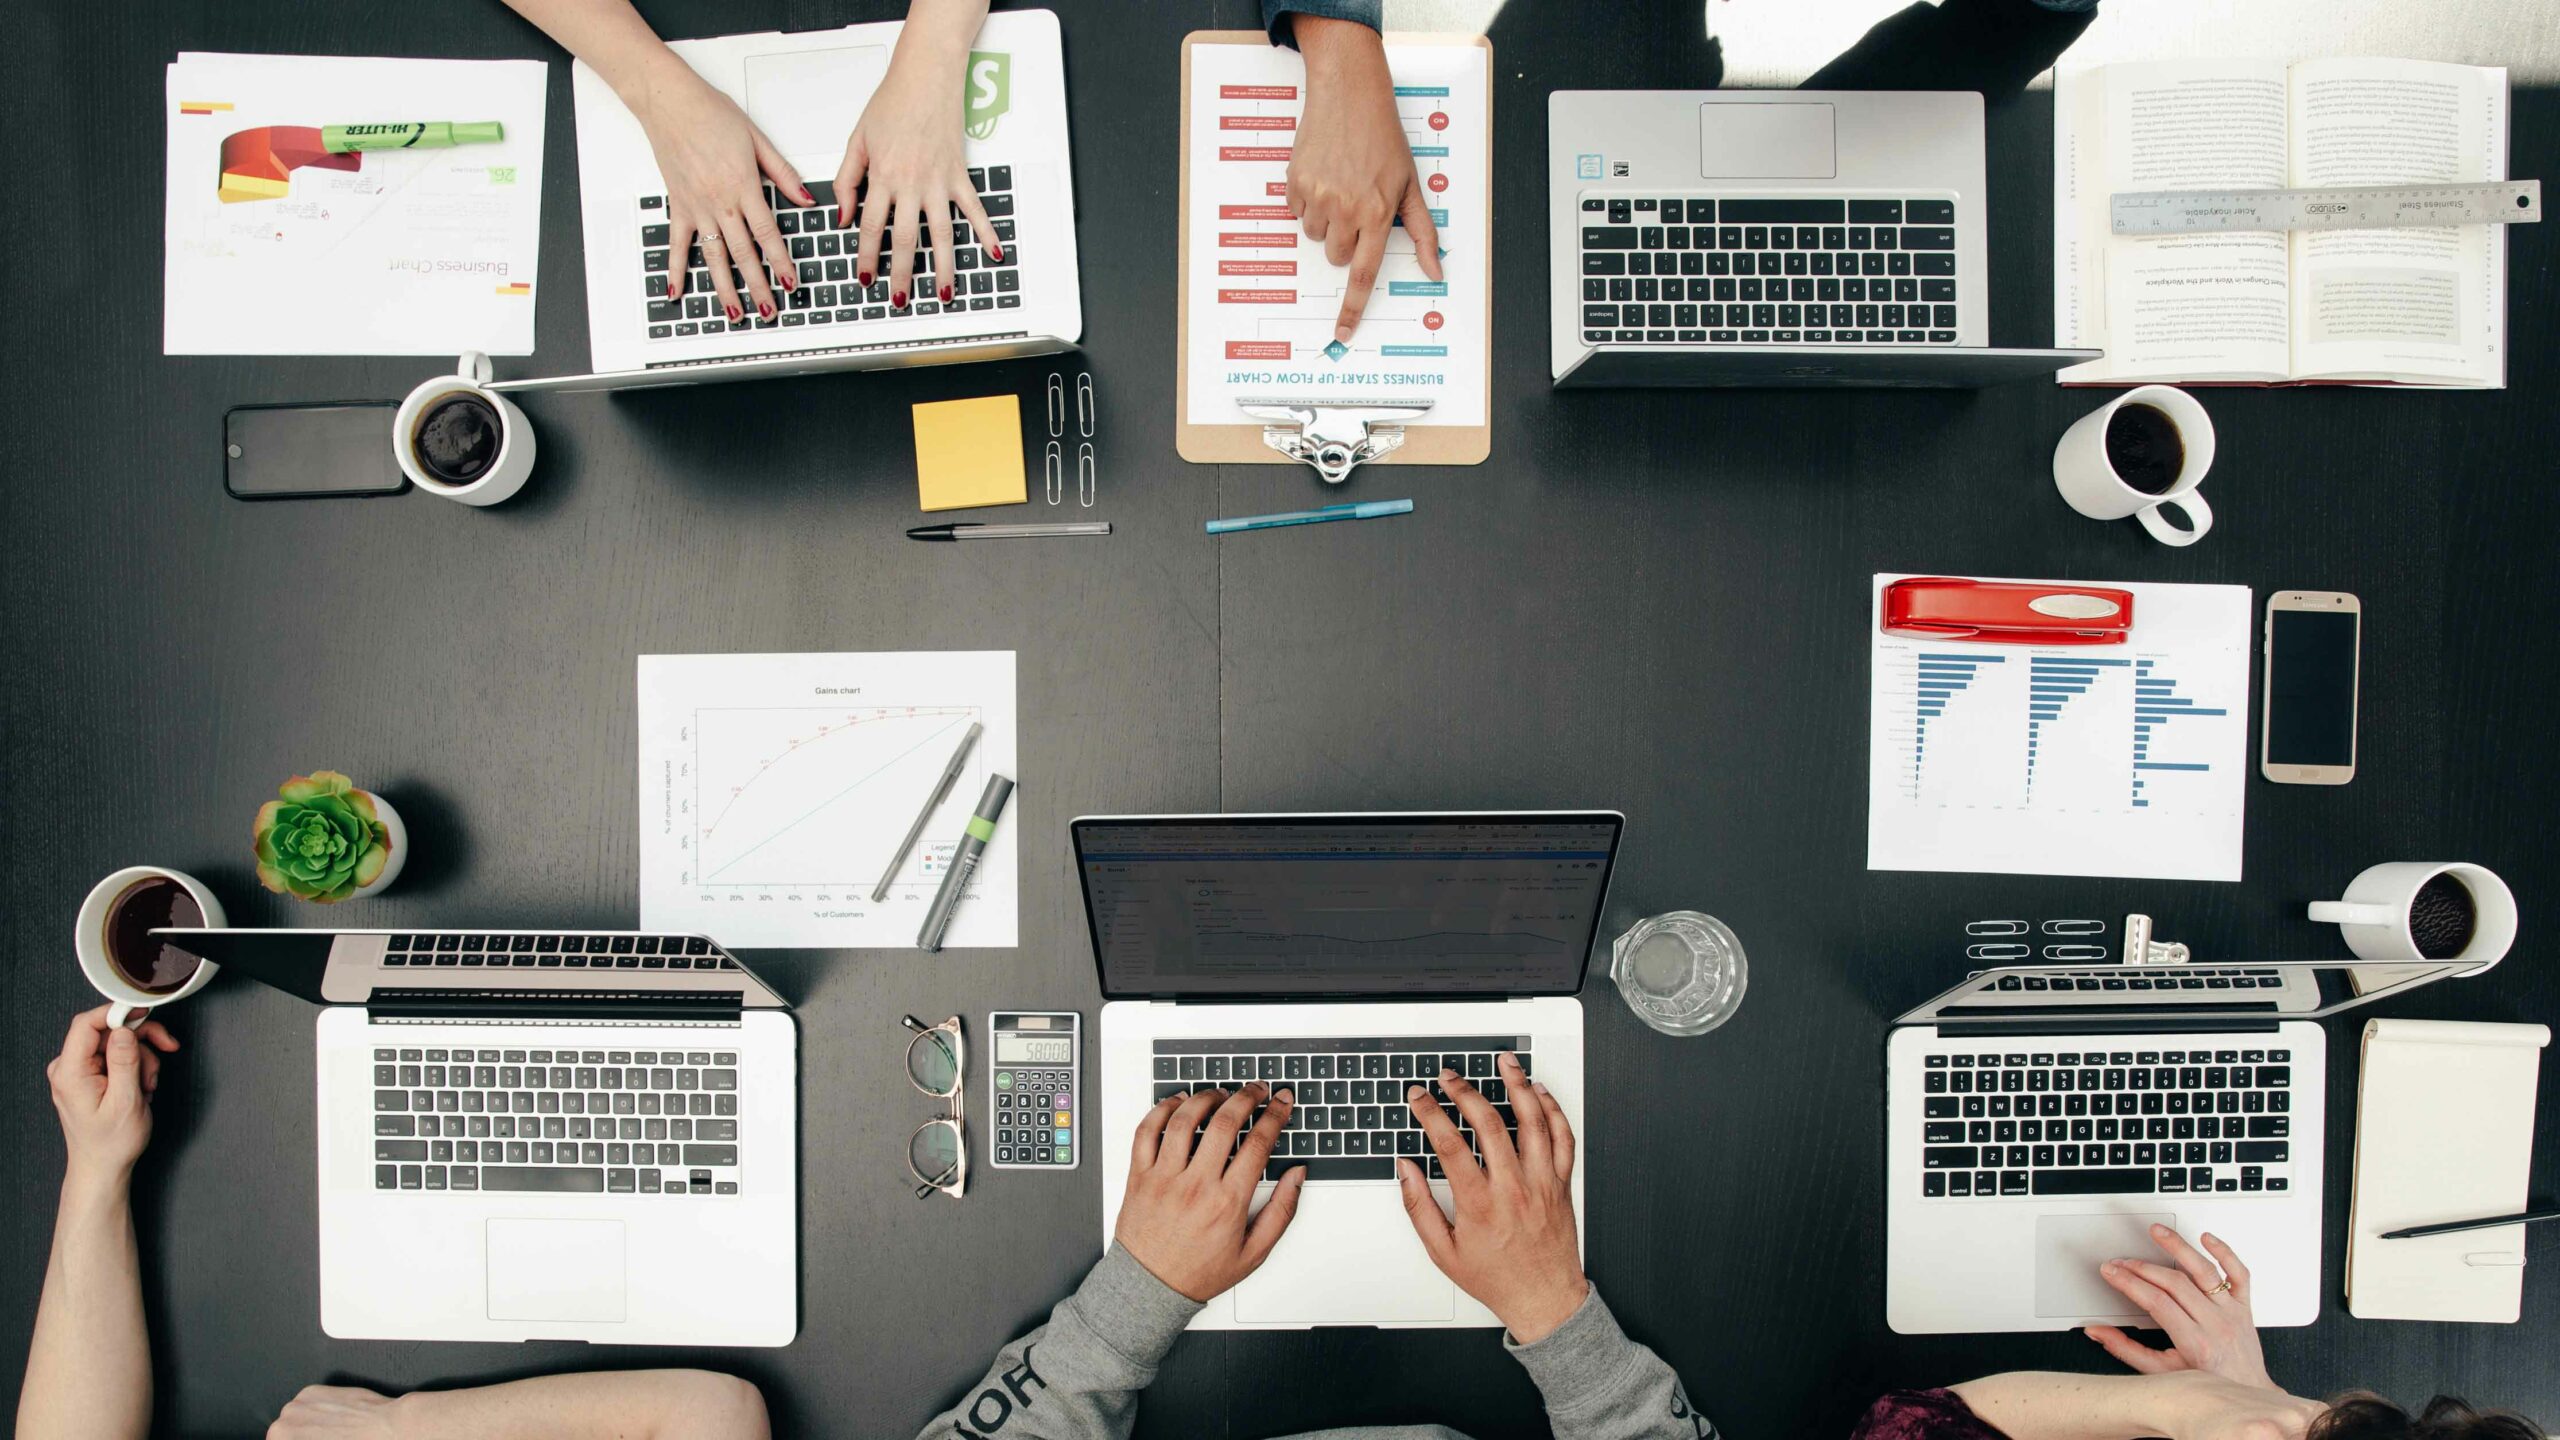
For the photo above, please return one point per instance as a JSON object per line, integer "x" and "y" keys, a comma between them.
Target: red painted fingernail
{"x": 764, "y": 309}
{"x": 840, "y": 221}
{"x": 898, "y": 300}
{"x": 946, "y": 294}
{"x": 735, "y": 315}
{"x": 864, "y": 277}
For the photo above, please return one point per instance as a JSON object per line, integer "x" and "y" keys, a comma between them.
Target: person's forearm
{"x": 940, "y": 30}
{"x": 1336, "y": 48}
{"x": 89, "y": 1368}
{"x": 1077, "y": 1377}
{"x": 2045, "y": 1405}
{"x": 1600, "y": 1385}
{"x": 614, "y": 41}
{"x": 604, "y": 1405}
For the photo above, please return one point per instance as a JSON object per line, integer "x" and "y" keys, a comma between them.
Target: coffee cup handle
{"x": 2349, "y": 912}
{"x": 2191, "y": 504}
{"x": 123, "y": 1016}
{"x": 475, "y": 367}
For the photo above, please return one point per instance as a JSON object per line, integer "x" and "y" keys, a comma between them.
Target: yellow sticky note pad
{"x": 969, "y": 453}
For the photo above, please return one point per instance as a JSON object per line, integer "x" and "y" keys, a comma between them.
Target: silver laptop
{"x": 805, "y": 91}
{"x": 2039, "y": 1119}
{"x": 1771, "y": 238}
{"x": 544, "y": 1134}
{"x": 1346, "y": 957}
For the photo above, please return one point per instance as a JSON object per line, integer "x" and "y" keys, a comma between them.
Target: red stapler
{"x": 2001, "y": 612}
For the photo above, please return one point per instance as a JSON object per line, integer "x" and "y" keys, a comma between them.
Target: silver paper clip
{"x": 1995, "y": 927}
{"x": 1333, "y": 436}
{"x": 2075, "y": 927}
{"x": 1055, "y": 470}
{"x": 1057, "y": 405}
{"x": 1084, "y": 404}
{"x": 1084, "y": 476}
{"x": 1996, "y": 952}
{"x": 2075, "y": 952}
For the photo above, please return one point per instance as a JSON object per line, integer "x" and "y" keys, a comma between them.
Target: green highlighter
{"x": 421, "y": 135}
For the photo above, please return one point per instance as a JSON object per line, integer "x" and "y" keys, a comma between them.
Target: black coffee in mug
{"x": 2144, "y": 448}
{"x": 152, "y": 966}
{"x": 459, "y": 437}
{"x": 2442, "y": 917}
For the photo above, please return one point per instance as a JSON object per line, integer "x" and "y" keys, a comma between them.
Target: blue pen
{"x": 1365, "y": 510}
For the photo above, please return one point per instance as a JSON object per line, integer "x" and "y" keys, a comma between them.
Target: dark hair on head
{"x": 2363, "y": 1415}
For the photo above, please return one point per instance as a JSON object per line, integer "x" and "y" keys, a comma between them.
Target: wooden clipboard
{"x": 1241, "y": 443}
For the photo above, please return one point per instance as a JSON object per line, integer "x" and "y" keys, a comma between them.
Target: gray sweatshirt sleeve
{"x": 1077, "y": 1377}
{"x": 1600, "y": 1385}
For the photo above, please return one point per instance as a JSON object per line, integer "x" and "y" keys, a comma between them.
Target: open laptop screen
{"x": 1300, "y": 906}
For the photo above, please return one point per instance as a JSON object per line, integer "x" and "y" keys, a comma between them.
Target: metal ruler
{"x": 2346, "y": 207}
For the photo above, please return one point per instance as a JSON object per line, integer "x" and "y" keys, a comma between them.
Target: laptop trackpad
{"x": 556, "y": 1270}
{"x": 1767, "y": 140}
{"x": 1350, "y": 1258}
{"x": 2069, "y": 1250}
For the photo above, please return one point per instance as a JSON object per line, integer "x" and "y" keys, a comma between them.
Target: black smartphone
{"x": 290, "y": 452}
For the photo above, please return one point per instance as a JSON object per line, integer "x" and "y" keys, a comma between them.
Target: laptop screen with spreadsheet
{"x": 1303, "y": 906}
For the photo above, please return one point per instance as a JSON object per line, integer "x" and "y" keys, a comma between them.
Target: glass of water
{"x": 1683, "y": 973}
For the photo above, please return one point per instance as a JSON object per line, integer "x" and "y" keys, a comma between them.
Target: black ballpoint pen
{"x": 966, "y": 531}
{"x": 2485, "y": 1223}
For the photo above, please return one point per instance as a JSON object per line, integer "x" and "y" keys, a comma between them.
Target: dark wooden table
{"x": 1649, "y": 601}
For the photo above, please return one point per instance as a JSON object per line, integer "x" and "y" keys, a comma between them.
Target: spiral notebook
{"x": 2444, "y": 1132}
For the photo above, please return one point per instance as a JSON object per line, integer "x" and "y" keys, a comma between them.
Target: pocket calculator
{"x": 1035, "y": 1088}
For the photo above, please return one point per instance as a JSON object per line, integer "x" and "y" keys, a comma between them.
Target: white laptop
{"x": 545, "y": 1135}
{"x": 1345, "y": 957}
{"x": 1773, "y": 238}
{"x": 2039, "y": 1119}
{"x": 805, "y": 91}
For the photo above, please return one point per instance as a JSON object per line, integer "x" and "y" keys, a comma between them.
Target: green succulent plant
{"x": 320, "y": 838}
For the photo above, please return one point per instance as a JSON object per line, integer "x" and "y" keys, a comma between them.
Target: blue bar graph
{"x": 2156, "y": 702}
{"x": 2052, "y": 680}
{"x": 1939, "y": 678}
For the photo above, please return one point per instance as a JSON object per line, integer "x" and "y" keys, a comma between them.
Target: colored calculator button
{"x": 1004, "y": 1079}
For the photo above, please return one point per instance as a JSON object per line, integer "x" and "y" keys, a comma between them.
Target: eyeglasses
{"x": 938, "y": 1065}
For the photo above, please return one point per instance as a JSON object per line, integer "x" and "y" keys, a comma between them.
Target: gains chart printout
{"x": 1262, "y": 297}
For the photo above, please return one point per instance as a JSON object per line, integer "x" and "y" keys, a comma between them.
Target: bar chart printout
{"x": 2120, "y": 760}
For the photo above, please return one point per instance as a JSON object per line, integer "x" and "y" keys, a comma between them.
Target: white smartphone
{"x": 2307, "y": 732}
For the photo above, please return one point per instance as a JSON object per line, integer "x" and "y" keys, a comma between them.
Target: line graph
{"x": 775, "y": 789}
{"x": 808, "y": 810}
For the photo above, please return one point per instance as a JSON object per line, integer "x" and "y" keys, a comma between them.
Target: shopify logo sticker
{"x": 990, "y": 92}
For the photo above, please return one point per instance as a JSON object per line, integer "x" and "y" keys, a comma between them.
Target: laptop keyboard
{"x": 587, "y": 1122}
{"x": 1351, "y": 1120}
{"x": 1707, "y": 270}
{"x": 462, "y": 950}
{"x": 827, "y": 292}
{"x": 2112, "y": 1122}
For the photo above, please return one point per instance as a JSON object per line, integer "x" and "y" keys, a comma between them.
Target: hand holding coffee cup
{"x": 2425, "y": 911}
{"x": 2140, "y": 453}
{"x": 456, "y": 437}
{"x": 117, "y": 952}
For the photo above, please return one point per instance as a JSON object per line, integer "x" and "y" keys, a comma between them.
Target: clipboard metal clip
{"x": 1333, "y": 436}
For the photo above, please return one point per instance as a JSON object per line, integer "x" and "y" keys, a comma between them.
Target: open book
{"x": 2418, "y": 306}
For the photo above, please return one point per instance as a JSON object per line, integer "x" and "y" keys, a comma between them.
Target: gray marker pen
{"x": 964, "y": 863}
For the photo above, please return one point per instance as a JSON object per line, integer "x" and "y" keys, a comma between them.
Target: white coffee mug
{"x": 128, "y": 1002}
{"x": 2091, "y": 486}
{"x": 2374, "y": 916}
{"x": 506, "y": 475}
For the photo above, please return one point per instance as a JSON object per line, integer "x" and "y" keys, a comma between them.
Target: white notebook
{"x": 2444, "y": 1131}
